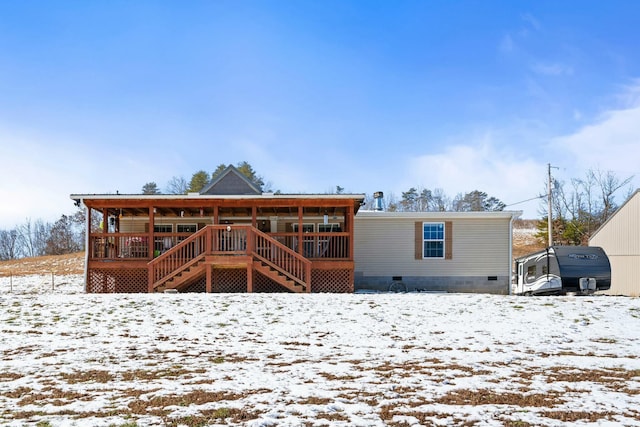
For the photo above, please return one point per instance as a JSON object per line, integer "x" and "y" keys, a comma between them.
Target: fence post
{"x": 53, "y": 287}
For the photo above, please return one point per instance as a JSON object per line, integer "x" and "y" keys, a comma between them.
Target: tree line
{"x": 579, "y": 207}
{"x": 201, "y": 178}
{"x": 425, "y": 200}
{"x": 38, "y": 238}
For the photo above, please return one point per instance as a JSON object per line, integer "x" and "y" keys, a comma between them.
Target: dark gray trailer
{"x": 558, "y": 270}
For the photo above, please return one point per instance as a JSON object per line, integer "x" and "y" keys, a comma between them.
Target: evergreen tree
{"x": 198, "y": 181}
{"x": 409, "y": 199}
{"x": 150, "y": 188}
{"x": 476, "y": 201}
{"x": 247, "y": 170}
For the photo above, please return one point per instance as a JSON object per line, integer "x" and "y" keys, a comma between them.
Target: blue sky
{"x": 104, "y": 96}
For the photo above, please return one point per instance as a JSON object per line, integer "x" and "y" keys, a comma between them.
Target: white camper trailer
{"x": 559, "y": 270}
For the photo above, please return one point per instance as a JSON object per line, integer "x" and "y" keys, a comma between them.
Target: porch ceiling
{"x": 225, "y": 211}
{"x": 188, "y": 208}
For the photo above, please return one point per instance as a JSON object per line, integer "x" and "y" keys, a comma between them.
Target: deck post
{"x": 349, "y": 220}
{"x": 300, "y": 242}
{"x": 209, "y": 278}
{"x": 254, "y": 216}
{"x": 151, "y": 243}
{"x": 250, "y": 277}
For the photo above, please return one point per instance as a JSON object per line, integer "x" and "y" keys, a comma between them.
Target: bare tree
{"x": 579, "y": 210}
{"x": 440, "y": 201}
{"x": 177, "y": 185}
{"x": 9, "y": 244}
{"x": 63, "y": 239}
{"x": 608, "y": 183}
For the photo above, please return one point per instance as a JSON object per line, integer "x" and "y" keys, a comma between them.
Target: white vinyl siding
{"x": 385, "y": 246}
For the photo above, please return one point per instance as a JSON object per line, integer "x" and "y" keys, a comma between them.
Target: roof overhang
{"x": 428, "y": 216}
{"x": 199, "y": 204}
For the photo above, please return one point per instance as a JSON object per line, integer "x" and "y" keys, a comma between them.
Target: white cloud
{"x": 486, "y": 163}
{"x": 485, "y": 167}
{"x": 611, "y": 143}
{"x": 39, "y": 172}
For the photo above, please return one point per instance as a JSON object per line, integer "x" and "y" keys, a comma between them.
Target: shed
{"x": 619, "y": 236}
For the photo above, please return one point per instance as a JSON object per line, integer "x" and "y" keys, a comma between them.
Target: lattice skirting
{"x": 117, "y": 280}
{"x": 235, "y": 280}
{"x": 224, "y": 281}
{"x": 262, "y": 283}
{"x": 200, "y": 285}
{"x": 333, "y": 281}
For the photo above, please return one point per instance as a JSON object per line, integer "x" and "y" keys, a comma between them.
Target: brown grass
{"x": 56, "y": 264}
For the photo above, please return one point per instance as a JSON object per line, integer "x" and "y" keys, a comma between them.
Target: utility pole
{"x": 549, "y": 199}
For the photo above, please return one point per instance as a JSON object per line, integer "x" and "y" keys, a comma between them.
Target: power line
{"x": 524, "y": 201}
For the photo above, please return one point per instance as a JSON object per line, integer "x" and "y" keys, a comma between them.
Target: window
{"x": 187, "y": 228}
{"x": 433, "y": 240}
{"x": 306, "y": 228}
{"x": 162, "y": 228}
{"x": 328, "y": 228}
{"x": 161, "y": 244}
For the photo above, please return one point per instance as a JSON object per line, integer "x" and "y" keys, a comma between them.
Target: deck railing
{"x": 281, "y": 257}
{"x": 135, "y": 246}
{"x": 334, "y": 245}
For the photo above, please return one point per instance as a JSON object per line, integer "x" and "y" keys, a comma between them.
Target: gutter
{"x": 86, "y": 243}
{"x": 510, "y": 276}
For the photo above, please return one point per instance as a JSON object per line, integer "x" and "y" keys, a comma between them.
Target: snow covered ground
{"x": 69, "y": 358}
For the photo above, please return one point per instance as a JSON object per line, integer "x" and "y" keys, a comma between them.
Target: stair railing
{"x": 229, "y": 240}
{"x": 176, "y": 259}
{"x": 280, "y": 257}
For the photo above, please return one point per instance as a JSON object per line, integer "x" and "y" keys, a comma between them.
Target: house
{"x": 230, "y": 237}
{"x": 619, "y": 236}
{"x": 434, "y": 251}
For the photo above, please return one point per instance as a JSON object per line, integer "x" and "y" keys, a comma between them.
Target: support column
{"x": 150, "y": 249}
{"x": 250, "y": 277}
{"x": 349, "y": 223}
{"x": 209, "y": 278}
{"x": 88, "y": 253}
{"x": 254, "y": 217}
{"x": 152, "y": 221}
{"x": 300, "y": 235}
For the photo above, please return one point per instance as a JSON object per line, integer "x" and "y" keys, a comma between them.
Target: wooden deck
{"x": 215, "y": 247}
{"x": 220, "y": 243}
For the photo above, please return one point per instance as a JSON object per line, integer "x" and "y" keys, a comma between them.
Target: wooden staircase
{"x": 183, "y": 276}
{"x": 218, "y": 246}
